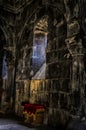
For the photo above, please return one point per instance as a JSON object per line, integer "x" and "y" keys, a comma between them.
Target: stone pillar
{"x": 75, "y": 47}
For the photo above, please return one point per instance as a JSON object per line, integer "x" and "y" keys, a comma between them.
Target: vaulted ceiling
{"x": 16, "y": 6}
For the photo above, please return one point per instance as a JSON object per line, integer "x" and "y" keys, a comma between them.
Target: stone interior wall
{"x": 58, "y": 73}
{"x": 22, "y": 95}
{"x": 56, "y": 91}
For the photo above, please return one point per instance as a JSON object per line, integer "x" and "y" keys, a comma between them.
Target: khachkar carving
{"x": 75, "y": 47}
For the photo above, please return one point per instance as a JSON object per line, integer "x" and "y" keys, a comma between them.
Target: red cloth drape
{"x": 32, "y": 108}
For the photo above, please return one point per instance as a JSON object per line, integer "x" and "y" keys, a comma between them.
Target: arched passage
{"x": 2, "y": 62}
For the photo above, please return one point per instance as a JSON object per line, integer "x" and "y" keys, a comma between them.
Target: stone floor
{"x": 8, "y": 124}
{"x": 15, "y": 123}
{"x": 11, "y": 124}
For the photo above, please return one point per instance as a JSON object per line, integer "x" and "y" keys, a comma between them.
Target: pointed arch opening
{"x": 38, "y": 60}
{"x": 3, "y": 66}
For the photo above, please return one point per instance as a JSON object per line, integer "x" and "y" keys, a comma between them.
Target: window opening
{"x": 39, "y": 49}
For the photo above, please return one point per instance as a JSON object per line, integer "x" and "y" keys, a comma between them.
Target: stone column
{"x": 76, "y": 50}
{"x": 75, "y": 47}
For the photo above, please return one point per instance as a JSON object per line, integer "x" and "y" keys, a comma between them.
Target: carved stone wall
{"x": 65, "y": 55}
{"x": 75, "y": 44}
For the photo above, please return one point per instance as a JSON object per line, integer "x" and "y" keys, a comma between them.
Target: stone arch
{"x": 29, "y": 21}
{"x": 40, "y": 12}
{"x": 2, "y": 52}
{"x": 4, "y": 30}
{"x": 9, "y": 60}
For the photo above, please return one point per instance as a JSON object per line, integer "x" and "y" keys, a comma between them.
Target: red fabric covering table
{"x": 34, "y": 113}
{"x": 33, "y": 108}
